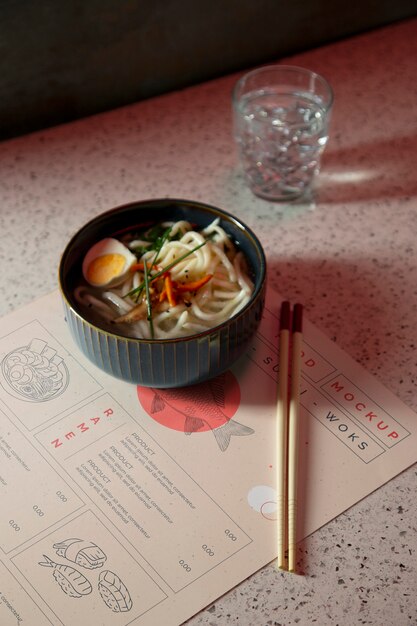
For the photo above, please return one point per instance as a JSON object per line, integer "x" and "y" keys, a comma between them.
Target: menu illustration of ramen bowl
{"x": 35, "y": 372}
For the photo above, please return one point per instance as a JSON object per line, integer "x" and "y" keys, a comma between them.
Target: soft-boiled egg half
{"x": 107, "y": 263}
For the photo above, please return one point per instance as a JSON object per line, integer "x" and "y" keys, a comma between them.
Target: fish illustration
{"x": 203, "y": 407}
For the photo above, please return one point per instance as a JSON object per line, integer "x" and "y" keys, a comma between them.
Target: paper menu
{"x": 125, "y": 505}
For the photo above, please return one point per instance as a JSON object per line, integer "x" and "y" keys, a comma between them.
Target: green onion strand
{"x": 159, "y": 245}
{"x": 148, "y": 301}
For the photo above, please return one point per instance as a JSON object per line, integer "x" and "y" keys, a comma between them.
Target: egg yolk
{"x": 104, "y": 268}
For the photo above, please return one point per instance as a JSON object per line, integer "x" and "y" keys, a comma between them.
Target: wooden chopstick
{"x": 287, "y": 433}
{"x": 293, "y": 419}
{"x": 282, "y": 419}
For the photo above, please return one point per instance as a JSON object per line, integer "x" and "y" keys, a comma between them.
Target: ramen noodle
{"x": 168, "y": 282}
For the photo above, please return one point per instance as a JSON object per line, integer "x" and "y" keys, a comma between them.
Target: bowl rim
{"x": 159, "y": 202}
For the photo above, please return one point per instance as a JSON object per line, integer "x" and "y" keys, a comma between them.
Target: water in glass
{"x": 281, "y": 136}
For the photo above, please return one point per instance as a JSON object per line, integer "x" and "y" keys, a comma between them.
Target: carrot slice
{"x": 139, "y": 267}
{"x": 194, "y": 285}
{"x": 169, "y": 287}
{"x": 163, "y": 295}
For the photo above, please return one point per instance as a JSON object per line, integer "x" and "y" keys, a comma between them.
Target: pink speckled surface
{"x": 349, "y": 255}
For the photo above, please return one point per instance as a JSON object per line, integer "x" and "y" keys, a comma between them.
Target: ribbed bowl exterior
{"x": 167, "y": 364}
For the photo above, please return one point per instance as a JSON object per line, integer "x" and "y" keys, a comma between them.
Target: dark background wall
{"x": 63, "y": 59}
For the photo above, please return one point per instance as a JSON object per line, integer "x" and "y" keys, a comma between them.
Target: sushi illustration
{"x": 113, "y": 592}
{"x": 70, "y": 580}
{"x": 202, "y": 406}
{"x": 83, "y": 553}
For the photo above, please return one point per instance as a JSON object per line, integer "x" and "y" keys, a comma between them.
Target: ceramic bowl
{"x": 163, "y": 363}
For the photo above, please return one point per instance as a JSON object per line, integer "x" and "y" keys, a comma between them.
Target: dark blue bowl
{"x": 163, "y": 362}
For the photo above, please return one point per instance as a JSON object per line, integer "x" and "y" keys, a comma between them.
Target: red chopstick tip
{"x": 297, "y": 318}
{"x": 284, "y": 320}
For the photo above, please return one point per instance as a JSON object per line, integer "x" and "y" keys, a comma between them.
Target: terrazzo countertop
{"x": 349, "y": 255}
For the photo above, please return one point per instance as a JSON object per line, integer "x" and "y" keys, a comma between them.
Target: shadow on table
{"x": 381, "y": 170}
{"x": 348, "y": 301}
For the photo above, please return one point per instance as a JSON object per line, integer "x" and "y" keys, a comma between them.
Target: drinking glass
{"x": 281, "y": 117}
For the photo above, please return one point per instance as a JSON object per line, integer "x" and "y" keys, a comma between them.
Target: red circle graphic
{"x": 197, "y": 408}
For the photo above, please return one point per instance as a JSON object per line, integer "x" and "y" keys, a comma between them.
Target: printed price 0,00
{"x": 61, "y": 496}
{"x": 184, "y": 565}
{"x": 230, "y": 535}
{"x": 207, "y": 550}
{"x": 38, "y": 511}
{"x": 14, "y": 525}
